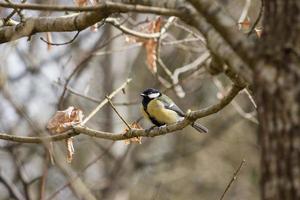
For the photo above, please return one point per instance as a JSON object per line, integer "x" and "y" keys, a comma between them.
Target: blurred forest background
{"x": 182, "y": 165}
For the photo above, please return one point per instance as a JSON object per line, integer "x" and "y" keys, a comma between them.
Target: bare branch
{"x": 80, "y": 21}
{"x": 238, "y": 108}
{"x": 191, "y": 116}
{"x": 37, "y": 140}
{"x": 72, "y": 22}
{"x": 244, "y": 13}
{"x": 95, "y": 100}
{"x": 117, "y": 7}
{"x": 261, "y": 10}
{"x": 219, "y": 47}
{"x": 44, "y": 177}
{"x": 114, "y": 108}
{"x": 126, "y": 30}
{"x": 99, "y": 157}
{"x": 234, "y": 177}
{"x": 193, "y": 65}
{"x": 12, "y": 188}
{"x": 13, "y": 13}
{"x": 105, "y": 101}
{"x": 226, "y": 26}
{"x": 157, "y": 131}
{"x": 60, "y": 44}
{"x": 81, "y": 65}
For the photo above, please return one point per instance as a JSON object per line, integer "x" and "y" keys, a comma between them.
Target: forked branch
{"x": 191, "y": 116}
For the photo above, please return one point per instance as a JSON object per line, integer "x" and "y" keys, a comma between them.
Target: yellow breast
{"x": 157, "y": 110}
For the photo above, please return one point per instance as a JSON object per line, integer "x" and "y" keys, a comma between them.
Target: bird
{"x": 161, "y": 110}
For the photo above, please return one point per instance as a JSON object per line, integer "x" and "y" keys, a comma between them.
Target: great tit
{"x": 161, "y": 110}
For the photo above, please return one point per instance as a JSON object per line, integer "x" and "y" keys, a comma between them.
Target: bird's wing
{"x": 169, "y": 104}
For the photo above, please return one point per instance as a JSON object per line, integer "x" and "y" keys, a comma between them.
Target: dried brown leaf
{"x": 245, "y": 25}
{"x": 81, "y": 2}
{"x": 137, "y": 140}
{"x": 149, "y": 44}
{"x": 64, "y": 120}
{"x": 70, "y": 149}
{"x": 136, "y": 125}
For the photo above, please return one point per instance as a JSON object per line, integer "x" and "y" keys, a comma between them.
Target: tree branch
{"x": 104, "y": 102}
{"x": 220, "y": 48}
{"x": 128, "y": 31}
{"x": 181, "y": 9}
{"x": 226, "y": 26}
{"x": 113, "y": 6}
{"x": 11, "y": 187}
{"x": 60, "y": 44}
{"x": 37, "y": 140}
{"x": 117, "y": 112}
{"x": 73, "y": 22}
{"x": 234, "y": 177}
{"x": 157, "y": 131}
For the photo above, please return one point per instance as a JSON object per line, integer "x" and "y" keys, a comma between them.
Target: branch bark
{"x": 73, "y": 22}
{"x": 80, "y": 21}
{"x": 157, "y": 131}
{"x": 227, "y": 27}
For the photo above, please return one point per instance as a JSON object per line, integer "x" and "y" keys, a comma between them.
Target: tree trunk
{"x": 277, "y": 91}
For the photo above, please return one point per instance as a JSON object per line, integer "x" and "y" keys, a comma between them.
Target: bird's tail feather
{"x": 199, "y": 127}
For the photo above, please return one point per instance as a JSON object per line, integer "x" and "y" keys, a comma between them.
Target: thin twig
{"x": 238, "y": 108}
{"x": 261, "y": 10}
{"x": 157, "y": 131}
{"x": 192, "y": 32}
{"x": 244, "y": 13}
{"x": 74, "y": 92}
{"x": 21, "y": 174}
{"x": 44, "y": 177}
{"x": 250, "y": 116}
{"x": 234, "y": 177}
{"x": 124, "y": 48}
{"x": 80, "y": 66}
{"x": 178, "y": 89}
{"x": 193, "y": 76}
{"x": 126, "y": 30}
{"x": 114, "y": 174}
{"x": 250, "y": 97}
{"x": 37, "y": 140}
{"x": 105, "y": 6}
{"x": 16, "y": 10}
{"x": 11, "y": 187}
{"x": 104, "y": 102}
{"x": 186, "y": 40}
{"x": 60, "y": 44}
{"x": 96, "y": 100}
{"x": 114, "y": 108}
{"x": 99, "y": 157}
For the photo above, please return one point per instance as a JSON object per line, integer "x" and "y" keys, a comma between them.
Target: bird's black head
{"x": 151, "y": 93}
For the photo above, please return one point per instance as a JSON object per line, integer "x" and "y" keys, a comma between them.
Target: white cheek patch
{"x": 153, "y": 95}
